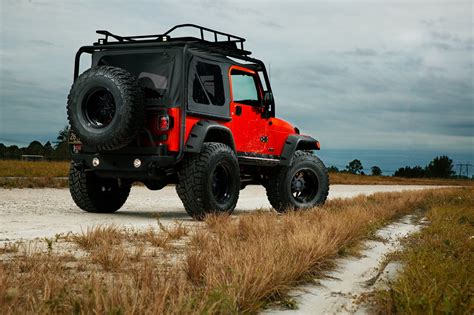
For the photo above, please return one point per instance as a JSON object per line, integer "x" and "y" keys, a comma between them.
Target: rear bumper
{"x": 152, "y": 166}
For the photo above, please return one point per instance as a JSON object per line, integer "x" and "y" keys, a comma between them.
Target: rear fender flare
{"x": 205, "y": 131}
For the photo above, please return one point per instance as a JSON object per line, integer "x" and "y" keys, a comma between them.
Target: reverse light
{"x": 137, "y": 163}
{"x": 95, "y": 162}
{"x": 164, "y": 123}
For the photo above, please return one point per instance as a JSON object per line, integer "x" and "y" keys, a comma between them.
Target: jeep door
{"x": 248, "y": 124}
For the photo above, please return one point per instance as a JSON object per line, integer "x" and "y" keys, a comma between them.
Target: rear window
{"x": 154, "y": 72}
{"x": 208, "y": 87}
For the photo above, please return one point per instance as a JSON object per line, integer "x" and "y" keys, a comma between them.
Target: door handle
{"x": 238, "y": 110}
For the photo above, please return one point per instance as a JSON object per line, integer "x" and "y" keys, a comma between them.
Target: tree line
{"x": 58, "y": 150}
{"x": 440, "y": 167}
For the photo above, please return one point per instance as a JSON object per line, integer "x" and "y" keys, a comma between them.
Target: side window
{"x": 208, "y": 86}
{"x": 244, "y": 88}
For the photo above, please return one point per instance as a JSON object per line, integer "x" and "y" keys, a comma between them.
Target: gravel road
{"x": 31, "y": 213}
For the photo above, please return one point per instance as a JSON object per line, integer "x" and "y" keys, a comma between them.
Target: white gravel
{"x": 31, "y": 213}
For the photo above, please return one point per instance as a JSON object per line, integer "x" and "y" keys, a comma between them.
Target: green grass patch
{"x": 438, "y": 273}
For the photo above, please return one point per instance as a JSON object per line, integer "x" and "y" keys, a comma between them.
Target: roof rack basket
{"x": 219, "y": 38}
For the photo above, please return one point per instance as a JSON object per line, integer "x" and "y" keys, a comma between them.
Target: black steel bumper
{"x": 151, "y": 166}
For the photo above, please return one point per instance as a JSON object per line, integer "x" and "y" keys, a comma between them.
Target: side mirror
{"x": 267, "y": 99}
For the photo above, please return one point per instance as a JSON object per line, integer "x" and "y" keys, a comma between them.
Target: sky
{"x": 376, "y": 75}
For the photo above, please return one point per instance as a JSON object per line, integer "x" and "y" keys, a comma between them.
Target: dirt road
{"x": 31, "y": 213}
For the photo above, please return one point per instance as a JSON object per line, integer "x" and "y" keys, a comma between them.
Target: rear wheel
{"x": 303, "y": 184}
{"x": 209, "y": 182}
{"x": 94, "y": 194}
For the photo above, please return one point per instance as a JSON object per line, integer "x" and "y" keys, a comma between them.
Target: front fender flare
{"x": 296, "y": 142}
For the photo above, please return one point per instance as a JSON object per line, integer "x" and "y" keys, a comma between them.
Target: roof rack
{"x": 224, "y": 41}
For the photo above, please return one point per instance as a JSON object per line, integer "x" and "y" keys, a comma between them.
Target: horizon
{"x": 389, "y": 160}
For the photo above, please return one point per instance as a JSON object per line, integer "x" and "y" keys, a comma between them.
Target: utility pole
{"x": 467, "y": 169}
{"x": 460, "y": 168}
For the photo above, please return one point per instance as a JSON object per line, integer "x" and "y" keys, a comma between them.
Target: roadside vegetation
{"x": 438, "y": 273}
{"x": 225, "y": 265}
{"x": 24, "y": 174}
{"x": 51, "y": 172}
{"x": 15, "y": 168}
{"x": 357, "y": 179}
{"x": 33, "y": 182}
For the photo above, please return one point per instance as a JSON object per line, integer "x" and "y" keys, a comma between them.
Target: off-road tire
{"x": 93, "y": 194}
{"x": 279, "y": 184}
{"x": 128, "y": 107}
{"x": 195, "y": 178}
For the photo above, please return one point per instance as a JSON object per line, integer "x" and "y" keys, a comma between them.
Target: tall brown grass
{"x": 14, "y": 168}
{"x": 233, "y": 265}
{"x": 33, "y": 182}
{"x": 352, "y": 179}
{"x": 94, "y": 237}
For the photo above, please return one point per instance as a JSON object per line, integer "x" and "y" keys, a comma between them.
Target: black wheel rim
{"x": 106, "y": 187}
{"x": 99, "y": 108}
{"x": 304, "y": 186}
{"x": 221, "y": 183}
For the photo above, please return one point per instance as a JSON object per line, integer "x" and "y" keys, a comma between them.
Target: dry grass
{"x": 97, "y": 236}
{"x": 33, "y": 182}
{"x": 438, "y": 273}
{"x": 352, "y": 179}
{"x": 233, "y": 265}
{"x": 23, "y": 174}
{"x": 109, "y": 256}
{"x": 10, "y": 247}
{"x": 14, "y": 168}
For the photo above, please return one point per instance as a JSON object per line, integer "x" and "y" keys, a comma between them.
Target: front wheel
{"x": 304, "y": 184}
{"x": 94, "y": 194}
{"x": 209, "y": 182}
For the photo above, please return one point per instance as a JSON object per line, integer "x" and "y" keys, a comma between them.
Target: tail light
{"x": 164, "y": 123}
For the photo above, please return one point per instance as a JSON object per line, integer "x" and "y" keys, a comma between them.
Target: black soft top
{"x": 161, "y": 61}
{"x": 220, "y": 45}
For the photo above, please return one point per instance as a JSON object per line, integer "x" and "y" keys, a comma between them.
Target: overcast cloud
{"x": 355, "y": 74}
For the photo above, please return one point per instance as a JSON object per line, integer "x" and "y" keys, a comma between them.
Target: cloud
{"x": 355, "y": 74}
{"x": 361, "y": 52}
{"x": 272, "y": 24}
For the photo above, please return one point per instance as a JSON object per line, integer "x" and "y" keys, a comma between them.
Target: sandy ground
{"x": 338, "y": 293}
{"x": 31, "y": 213}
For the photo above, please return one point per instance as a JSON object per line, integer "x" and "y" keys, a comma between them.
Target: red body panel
{"x": 277, "y": 131}
{"x": 251, "y": 131}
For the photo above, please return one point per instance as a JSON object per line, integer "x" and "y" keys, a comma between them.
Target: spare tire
{"x": 105, "y": 107}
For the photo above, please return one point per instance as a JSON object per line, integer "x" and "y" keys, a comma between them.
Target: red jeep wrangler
{"x": 190, "y": 111}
